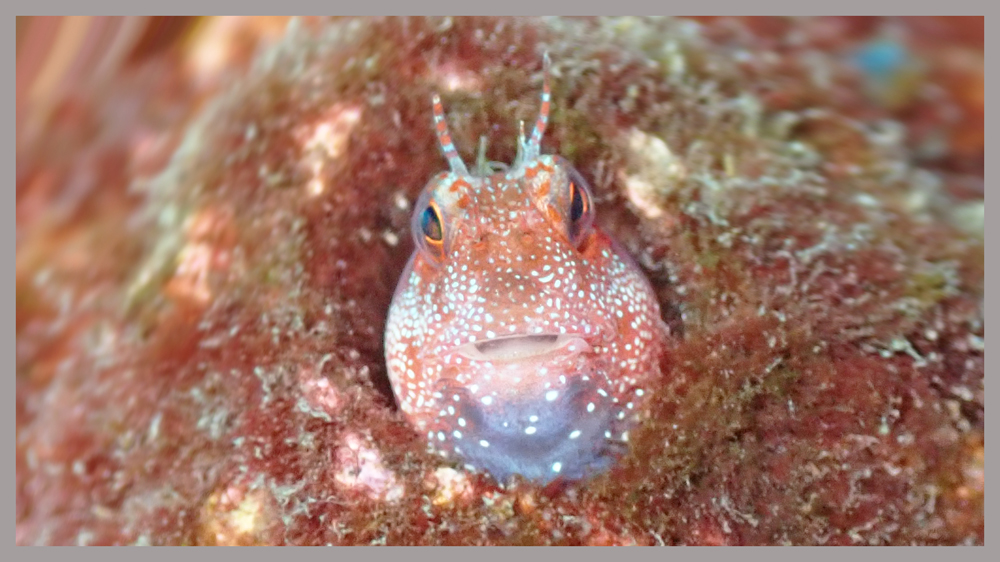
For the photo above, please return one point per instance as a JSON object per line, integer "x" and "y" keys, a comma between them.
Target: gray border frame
{"x": 706, "y": 7}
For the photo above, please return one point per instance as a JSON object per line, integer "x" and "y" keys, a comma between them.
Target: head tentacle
{"x": 522, "y": 146}
{"x": 444, "y": 139}
{"x": 534, "y": 146}
{"x": 482, "y": 165}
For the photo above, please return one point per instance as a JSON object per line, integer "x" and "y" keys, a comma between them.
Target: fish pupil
{"x": 578, "y": 208}
{"x": 430, "y": 223}
{"x": 577, "y": 205}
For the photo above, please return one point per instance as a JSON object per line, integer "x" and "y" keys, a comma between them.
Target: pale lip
{"x": 523, "y": 348}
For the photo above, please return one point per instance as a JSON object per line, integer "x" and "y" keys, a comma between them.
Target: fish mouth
{"x": 523, "y": 348}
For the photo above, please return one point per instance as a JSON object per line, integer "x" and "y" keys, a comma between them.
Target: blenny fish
{"x": 521, "y": 337}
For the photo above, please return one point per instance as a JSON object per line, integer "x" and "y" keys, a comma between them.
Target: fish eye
{"x": 580, "y": 210}
{"x": 430, "y": 225}
{"x": 578, "y": 203}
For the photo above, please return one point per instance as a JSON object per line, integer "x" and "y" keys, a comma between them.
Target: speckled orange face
{"x": 520, "y": 337}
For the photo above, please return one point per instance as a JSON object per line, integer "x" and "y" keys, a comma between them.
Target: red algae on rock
{"x": 199, "y": 354}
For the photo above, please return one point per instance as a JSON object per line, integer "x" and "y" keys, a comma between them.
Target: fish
{"x": 521, "y": 338}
